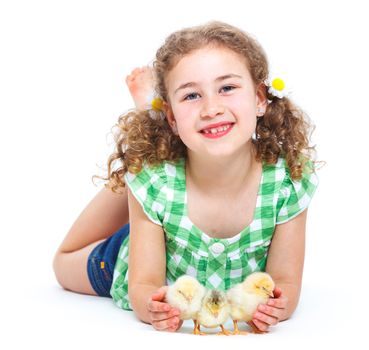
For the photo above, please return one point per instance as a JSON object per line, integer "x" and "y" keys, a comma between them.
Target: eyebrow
{"x": 223, "y": 77}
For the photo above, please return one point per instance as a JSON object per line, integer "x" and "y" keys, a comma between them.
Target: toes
{"x": 133, "y": 75}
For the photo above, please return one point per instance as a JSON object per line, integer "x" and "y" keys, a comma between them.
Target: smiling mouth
{"x": 217, "y": 132}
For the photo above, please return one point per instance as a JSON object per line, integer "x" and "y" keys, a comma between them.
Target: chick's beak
{"x": 269, "y": 293}
{"x": 215, "y": 311}
{"x": 189, "y": 297}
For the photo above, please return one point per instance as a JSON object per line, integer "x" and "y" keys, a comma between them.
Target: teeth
{"x": 216, "y": 130}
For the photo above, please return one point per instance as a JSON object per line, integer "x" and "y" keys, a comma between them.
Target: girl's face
{"x": 209, "y": 86}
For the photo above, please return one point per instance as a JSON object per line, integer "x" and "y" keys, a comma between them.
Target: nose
{"x": 211, "y": 107}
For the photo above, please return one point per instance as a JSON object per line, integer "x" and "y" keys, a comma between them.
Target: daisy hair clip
{"x": 156, "y": 110}
{"x": 155, "y": 106}
{"x": 277, "y": 88}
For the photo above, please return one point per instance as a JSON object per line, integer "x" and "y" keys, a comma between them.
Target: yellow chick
{"x": 245, "y": 297}
{"x": 214, "y": 311}
{"x": 186, "y": 295}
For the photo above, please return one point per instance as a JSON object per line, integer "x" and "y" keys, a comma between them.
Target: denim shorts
{"x": 101, "y": 262}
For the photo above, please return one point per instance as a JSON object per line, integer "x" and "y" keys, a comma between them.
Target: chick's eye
{"x": 191, "y": 96}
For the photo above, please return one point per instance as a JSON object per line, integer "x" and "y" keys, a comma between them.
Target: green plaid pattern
{"x": 216, "y": 263}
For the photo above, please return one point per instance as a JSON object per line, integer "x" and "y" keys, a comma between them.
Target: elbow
{"x": 139, "y": 296}
{"x": 132, "y": 296}
{"x": 288, "y": 313}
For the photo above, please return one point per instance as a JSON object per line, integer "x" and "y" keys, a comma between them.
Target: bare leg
{"x": 72, "y": 270}
{"x": 141, "y": 85}
{"x": 102, "y": 217}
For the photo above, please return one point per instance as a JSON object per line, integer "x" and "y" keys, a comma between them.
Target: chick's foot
{"x": 224, "y": 331}
{"x": 196, "y": 329}
{"x": 236, "y": 331}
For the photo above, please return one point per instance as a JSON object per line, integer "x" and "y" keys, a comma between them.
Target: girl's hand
{"x": 271, "y": 313}
{"x": 163, "y": 317}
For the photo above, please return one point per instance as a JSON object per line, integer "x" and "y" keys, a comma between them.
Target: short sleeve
{"x": 148, "y": 187}
{"x": 295, "y": 196}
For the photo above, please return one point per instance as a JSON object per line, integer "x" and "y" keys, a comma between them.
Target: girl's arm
{"x": 147, "y": 270}
{"x": 285, "y": 265}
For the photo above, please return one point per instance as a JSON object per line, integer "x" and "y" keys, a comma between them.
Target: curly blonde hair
{"x": 145, "y": 136}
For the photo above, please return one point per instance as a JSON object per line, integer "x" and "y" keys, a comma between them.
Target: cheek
{"x": 184, "y": 117}
{"x": 246, "y": 115}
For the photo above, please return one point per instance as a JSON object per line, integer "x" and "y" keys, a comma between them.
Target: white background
{"x": 62, "y": 71}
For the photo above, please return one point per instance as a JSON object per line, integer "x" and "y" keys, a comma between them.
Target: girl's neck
{"x": 222, "y": 175}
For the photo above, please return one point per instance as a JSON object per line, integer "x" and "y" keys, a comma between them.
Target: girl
{"x": 220, "y": 175}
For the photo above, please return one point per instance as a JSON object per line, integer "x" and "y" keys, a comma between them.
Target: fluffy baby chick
{"x": 245, "y": 297}
{"x": 214, "y": 311}
{"x": 186, "y": 294}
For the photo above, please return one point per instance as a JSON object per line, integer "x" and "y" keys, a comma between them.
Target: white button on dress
{"x": 217, "y": 248}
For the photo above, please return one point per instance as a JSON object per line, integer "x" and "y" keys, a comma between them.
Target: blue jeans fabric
{"x": 101, "y": 262}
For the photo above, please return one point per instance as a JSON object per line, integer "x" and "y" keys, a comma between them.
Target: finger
{"x": 179, "y": 324}
{"x": 160, "y": 325}
{"x": 159, "y": 295}
{"x": 269, "y": 320}
{"x": 158, "y": 306}
{"x": 175, "y": 328}
{"x": 129, "y": 78}
{"x": 277, "y": 292}
{"x": 166, "y": 324}
{"x": 160, "y": 316}
{"x": 279, "y": 303}
{"x": 270, "y": 311}
{"x": 263, "y": 327}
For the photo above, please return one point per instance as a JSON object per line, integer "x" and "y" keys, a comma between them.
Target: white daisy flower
{"x": 154, "y": 104}
{"x": 277, "y": 87}
{"x": 157, "y": 104}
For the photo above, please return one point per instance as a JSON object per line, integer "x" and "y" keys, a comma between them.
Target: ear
{"x": 261, "y": 97}
{"x": 169, "y": 113}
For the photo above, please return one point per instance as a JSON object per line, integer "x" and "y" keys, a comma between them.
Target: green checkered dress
{"x": 216, "y": 263}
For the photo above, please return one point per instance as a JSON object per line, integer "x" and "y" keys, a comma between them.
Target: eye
{"x": 228, "y": 88}
{"x": 191, "y": 96}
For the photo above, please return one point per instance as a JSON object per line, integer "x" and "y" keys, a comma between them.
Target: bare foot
{"x": 141, "y": 86}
